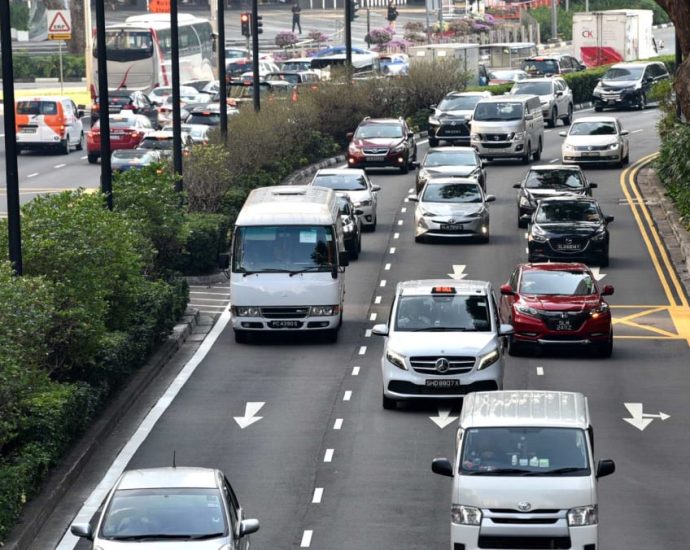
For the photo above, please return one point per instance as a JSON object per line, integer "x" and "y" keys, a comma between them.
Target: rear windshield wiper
{"x": 327, "y": 267}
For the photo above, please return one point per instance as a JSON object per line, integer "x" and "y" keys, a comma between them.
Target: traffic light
{"x": 245, "y": 23}
{"x": 258, "y": 28}
{"x": 354, "y": 6}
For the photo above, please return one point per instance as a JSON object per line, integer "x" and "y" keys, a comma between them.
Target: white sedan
{"x": 595, "y": 140}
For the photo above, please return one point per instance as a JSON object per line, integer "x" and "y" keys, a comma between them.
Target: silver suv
{"x": 555, "y": 96}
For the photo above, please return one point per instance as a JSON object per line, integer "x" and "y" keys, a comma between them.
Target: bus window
{"x": 124, "y": 45}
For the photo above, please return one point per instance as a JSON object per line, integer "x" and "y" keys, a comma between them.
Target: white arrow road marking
{"x": 598, "y": 275}
{"x": 250, "y": 411}
{"x": 458, "y": 272}
{"x": 641, "y": 419}
{"x": 443, "y": 418}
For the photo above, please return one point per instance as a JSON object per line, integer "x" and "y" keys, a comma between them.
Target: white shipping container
{"x": 467, "y": 56}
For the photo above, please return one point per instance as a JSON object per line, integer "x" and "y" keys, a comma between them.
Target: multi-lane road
{"x": 326, "y": 467}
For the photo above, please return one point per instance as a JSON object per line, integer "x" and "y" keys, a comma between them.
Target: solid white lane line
{"x": 400, "y": 222}
{"x": 382, "y": 283}
{"x": 338, "y": 423}
{"x": 355, "y": 371}
{"x": 387, "y": 267}
{"x": 318, "y": 495}
{"x": 306, "y": 538}
{"x": 362, "y": 350}
{"x": 377, "y": 300}
{"x": 396, "y": 236}
{"x": 347, "y": 395}
{"x": 60, "y": 165}
{"x": 392, "y": 250}
{"x": 32, "y": 175}
{"x": 540, "y": 371}
{"x": 367, "y": 333}
{"x": 328, "y": 456}
{"x": 373, "y": 316}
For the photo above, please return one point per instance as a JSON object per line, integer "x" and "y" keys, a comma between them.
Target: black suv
{"x": 131, "y": 100}
{"x": 543, "y": 65}
{"x": 627, "y": 84}
{"x": 382, "y": 142}
{"x": 450, "y": 120}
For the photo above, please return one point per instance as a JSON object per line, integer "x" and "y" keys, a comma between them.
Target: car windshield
{"x": 210, "y": 119}
{"x": 525, "y": 451}
{"x": 341, "y": 182}
{"x": 368, "y": 131}
{"x": 165, "y": 513}
{"x": 534, "y": 88}
{"x": 283, "y": 248}
{"x": 296, "y": 65}
{"x": 561, "y": 211}
{"x": 159, "y": 92}
{"x": 491, "y": 111}
{"x": 561, "y": 283}
{"x": 593, "y": 129}
{"x": 544, "y": 66}
{"x": 450, "y": 158}
{"x": 452, "y": 192}
{"x": 116, "y": 123}
{"x": 554, "y": 179}
{"x": 162, "y": 144}
{"x": 438, "y": 312}
{"x": 459, "y": 103}
{"x": 624, "y": 73}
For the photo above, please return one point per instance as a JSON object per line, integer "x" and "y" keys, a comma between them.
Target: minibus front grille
{"x": 294, "y": 312}
{"x": 525, "y": 543}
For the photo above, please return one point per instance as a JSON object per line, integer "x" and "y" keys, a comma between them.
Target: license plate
{"x": 450, "y": 383}
{"x": 377, "y": 158}
{"x": 590, "y": 154}
{"x": 569, "y": 247}
{"x": 116, "y": 136}
{"x": 453, "y": 227}
{"x": 28, "y": 130}
{"x": 610, "y": 101}
{"x": 285, "y": 324}
{"x": 453, "y": 132}
{"x": 564, "y": 325}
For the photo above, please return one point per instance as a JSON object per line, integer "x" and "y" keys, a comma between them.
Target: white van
{"x": 288, "y": 260}
{"x": 48, "y": 122}
{"x": 524, "y": 473}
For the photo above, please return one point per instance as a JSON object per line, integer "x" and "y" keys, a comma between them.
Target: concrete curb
{"x": 296, "y": 177}
{"x": 68, "y": 471}
{"x": 207, "y": 280}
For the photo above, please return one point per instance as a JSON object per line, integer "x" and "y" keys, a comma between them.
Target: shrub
{"x": 673, "y": 167}
{"x": 47, "y": 66}
{"x": 206, "y": 237}
{"x": 286, "y": 38}
{"x": 380, "y": 36}
{"x": 582, "y": 83}
{"x": 19, "y": 16}
{"x": 207, "y": 177}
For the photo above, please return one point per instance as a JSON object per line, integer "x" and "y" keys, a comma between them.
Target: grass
{"x": 80, "y": 96}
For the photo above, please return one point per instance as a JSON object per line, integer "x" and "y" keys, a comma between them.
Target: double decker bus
{"x": 138, "y": 52}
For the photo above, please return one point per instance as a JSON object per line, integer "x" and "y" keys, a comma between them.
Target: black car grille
{"x": 527, "y": 543}
{"x": 489, "y": 145}
{"x": 456, "y": 365}
{"x": 494, "y": 137}
{"x": 284, "y": 312}
{"x": 453, "y": 129}
{"x": 375, "y": 150}
{"x": 574, "y": 318}
{"x": 591, "y": 147}
{"x": 566, "y": 245}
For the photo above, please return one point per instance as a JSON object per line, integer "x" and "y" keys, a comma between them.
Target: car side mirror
{"x": 607, "y": 291}
{"x": 490, "y": 198}
{"x": 358, "y": 211}
{"x": 517, "y": 185}
{"x": 433, "y": 106}
{"x": 442, "y": 467}
{"x": 376, "y": 188}
{"x": 608, "y": 219}
{"x": 526, "y": 218}
{"x": 507, "y": 290}
{"x": 413, "y": 198}
{"x": 416, "y": 164}
{"x": 344, "y": 258}
{"x": 529, "y": 116}
{"x": 248, "y": 526}
{"x": 605, "y": 468}
{"x": 380, "y": 330}
{"x": 624, "y": 132}
{"x": 410, "y": 135}
{"x": 82, "y": 530}
{"x": 559, "y": 93}
{"x": 223, "y": 261}
{"x": 350, "y": 135}
{"x": 563, "y": 134}
{"x": 506, "y": 330}
{"x": 593, "y": 185}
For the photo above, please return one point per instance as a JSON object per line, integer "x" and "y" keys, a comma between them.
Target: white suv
{"x": 445, "y": 339}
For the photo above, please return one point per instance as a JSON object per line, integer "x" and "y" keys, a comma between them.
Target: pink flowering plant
{"x": 285, "y": 39}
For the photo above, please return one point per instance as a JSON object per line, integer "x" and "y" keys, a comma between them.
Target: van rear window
{"x": 37, "y": 107}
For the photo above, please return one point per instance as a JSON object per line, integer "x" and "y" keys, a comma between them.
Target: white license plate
{"x": 377, "y": 158}
{"x": 28, "y": 130}
{"x": 590, "y": 154}
{"x": 569, "y": 247}
{"x": 451, "y": 383}
{"x": 451, "y": 227}
{"x": 564, "y": 325}
{"x": 285, "y": 324}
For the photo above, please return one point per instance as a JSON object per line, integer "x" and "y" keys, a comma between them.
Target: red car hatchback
{"x": 382, "y": 143}
{"x": 557, "y": 304}
{"x": 126, "y": 132}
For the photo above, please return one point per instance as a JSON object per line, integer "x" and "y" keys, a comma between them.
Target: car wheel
{"x": 93, "y": 159}
{"x": 419, "y": 239}
{"x": 642, "y": 101}
{"x": 551, "y": 123}
{"x": 80, "y": 145}
{"x": 521, "y": 223}
{"x": 568, "y": 119}
{"x": 626, "y": 158}
{"x": 527, "y": 155}
{"x": 433, "y": 142}
{"x": 531, "y": 259}
{"x": 65, "y": 146}
{"x": 515, "y": 349}
{"x": 388, "y": 403}
{"x": 405, "y": 168}
{"x": 330, "y": 336}
{"x": 373, "y": 225}
{"x": 604, "y": 262}
{"x": 486, "y": 238}
{"x": 241, "y": 336}
{"x": 537, "y": 153}
{"x": 598, "y": 108}
{"x": 605, "y": 350}
{"x": 353, "y": 252}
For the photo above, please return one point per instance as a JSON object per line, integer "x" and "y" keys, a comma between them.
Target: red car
{"x": 126, "y": 132}
{"x": 382, "y": 142}
{"x": 557, "y": 304}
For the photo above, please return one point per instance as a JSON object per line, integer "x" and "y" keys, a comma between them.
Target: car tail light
{"x": 136, "y": 134}
{"x": 294, "y": 95}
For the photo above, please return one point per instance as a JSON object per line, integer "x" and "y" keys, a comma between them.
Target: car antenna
{"x": 174, "y": 464}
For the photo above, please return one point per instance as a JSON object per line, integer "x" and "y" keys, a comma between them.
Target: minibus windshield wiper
{"x": 499, "y": 471}
{"x": 267, "y": 270}
{"x": 326, "y": 267}
{"x": 558, "y": 471}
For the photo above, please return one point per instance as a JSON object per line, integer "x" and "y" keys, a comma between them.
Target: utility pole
{"x": 88, "y": 46}
{"x": 11, "y": 171}
{"x": 256, "y": 29}
{"x": 103, "y": 107}
{"x": 223, "y": 86}
{"x": 554, "y": 20}
{"x": 348, "y": 34}
{"x": 175, "y": 69}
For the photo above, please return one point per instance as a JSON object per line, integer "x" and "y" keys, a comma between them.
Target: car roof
{"x": 547, "y": 167}
{"x": 524, "y": 408}
{"x": 596, "y": 119}
{"x": 451, "y": 149}
{"x": 633, "y": 64}
{"x": 424, "y": 286}
{"x": 335, "y": 171}
{"x": 568, "y": 198}
{"x": 553, "y": 266}
{"x": 174, "y": 477}
{"x": 510, "y": 98}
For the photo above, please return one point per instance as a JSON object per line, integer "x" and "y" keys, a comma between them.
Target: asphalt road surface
{"x": 326, "y": 467}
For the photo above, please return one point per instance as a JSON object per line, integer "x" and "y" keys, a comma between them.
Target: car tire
{"x": 388, "y": 403}
{"x": 93, "y": 159}
{"x": 626, "y": 158}
{"x": 604, "y": 262}
{"x": 551, "y": 123}
{"x": 642, "y": 101}
{"x": 531, "y": 259}
{"x": 405, "y": 168}
{"x": 80, "y": 145}
{"x": 373, "y": 225}
{"x": 598, "y": 108}
{"x": 515, "y": 349}
{"x": 433, "y": 142}
{"x": 521, "y": 224}
{"x": 241, "y": 337}
{"x": 485, "y": 239}
{"x": 65, "y": 146}
{"x": 330, "y": 336}
{"x": 537, "y": 153}
{"x": 568, "y": 119}
{"x": 605, "y": 350}
{"x": 419, "y": 239}
{"x": 353, "y": 253}
{"x": 527, "y": 155}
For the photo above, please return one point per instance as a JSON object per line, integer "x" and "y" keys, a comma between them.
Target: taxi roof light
{"x": 443, "y": 290}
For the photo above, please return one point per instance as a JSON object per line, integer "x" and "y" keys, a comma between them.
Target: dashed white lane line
{"x": 347, "y": 395}
{"x": 84, "y": 157}
{"x": 392, "y": 250}
{"x": 338, "y": 423}
{"x": 400, "y": 222}
{"x": 328, "y": 456}
{"x": 367, "y": 333}
{"x": 60, "y": 165}
{"x": 377, "y": 300}
{"x": 553, "y": 161}
{"x": 403, "y": 209}
{"x": 355, "y": 371}
{"x": 373, "y": 316}
{"x": 410, "y": 190}
{"x": 526, "y": 250}
{"x": 382, "y": 283}
{"x": 636, "y": 131}
{"x": 387, "y": 267}
{"x": 396, "y": 236}
{"x": 306, "y": 538}
{"x": 540, "y": 371}
{"x": 318, "y": 495}
{"x": 32, "y": 175}
{"x": 526, "y": 235}
{"x": 362, "y": 350}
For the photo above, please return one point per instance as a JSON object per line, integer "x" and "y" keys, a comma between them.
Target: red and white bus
{"x": 138, "y": 52}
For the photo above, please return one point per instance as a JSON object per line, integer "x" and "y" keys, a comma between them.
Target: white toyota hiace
{"x": 524, "y": 474}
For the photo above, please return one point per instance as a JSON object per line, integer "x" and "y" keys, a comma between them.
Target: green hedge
{"x": 673, "y": 168}
{"x": 47, "y": 66}
{"x": 207, "y": 235}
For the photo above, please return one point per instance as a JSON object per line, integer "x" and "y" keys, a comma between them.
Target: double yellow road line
{"x": 673, "y": 289}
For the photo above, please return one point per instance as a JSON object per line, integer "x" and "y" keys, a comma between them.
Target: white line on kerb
{"x": 373, "y": 316}
{"x": 60, "y": 165}
{"x": 355, "y": 371}
{"x": 328, "y": 456}
{"x": 377, "y": 300}
{"x": 540, "y": 371}
{"x": 318, "y": 495}
{"x": 387, "y": 267}
{"x": 362, "y": 350}
{"x": 338, "y": 423}
{"x": 382, "y": 283}
{"x": 306, "y": 538}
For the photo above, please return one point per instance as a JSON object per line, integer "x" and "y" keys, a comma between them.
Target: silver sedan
{"x": 595, "y": 140}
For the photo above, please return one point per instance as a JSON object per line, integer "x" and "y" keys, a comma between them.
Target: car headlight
{"x": 524, "y": 201}
{"x": 599, "y": 310}
{"x": 537, "y": 234}
{"x": 465, "y": 515}
{"x": 583, "y": 515}
{"x": 568, "y": 147}
{"x": 597, "y": 90}
{"x": 396, "y": 358}
{"x": 399, "y": 148}
{"x": 349, "y": 226}
{"x": 527, "y": 310}
{"x": 518, "y": 136}
{"x": 488, "y": 359}
{"x": 365, "y": 202}
{"x": 428, "y": 213}
{"x": 599, "y": 236}
{"x": 246, "y": 311}
{"x": 324, "y": 311}
{"x": 352, "y": 148}
{"x": 475, "y": 137}
{"x": 614, "y": 146}
{"x": 433, "y": 121}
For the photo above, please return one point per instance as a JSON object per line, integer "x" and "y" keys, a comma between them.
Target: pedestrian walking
{"x": 296, "y": 10}
{"x": 392, "y": 14}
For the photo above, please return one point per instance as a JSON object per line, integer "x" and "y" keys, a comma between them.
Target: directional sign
{"x": 59, "y": 24}
{"x": 250, "y": 414}
{"x": 641, "y": 419}
{"x": 598, "y": 275}
{"x": 458, "y": 272}
{"x": 443, "y": 419}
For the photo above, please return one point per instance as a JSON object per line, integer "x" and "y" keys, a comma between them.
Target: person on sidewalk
{"x": 392, "y": 14}
{"x": 296, "y": 10}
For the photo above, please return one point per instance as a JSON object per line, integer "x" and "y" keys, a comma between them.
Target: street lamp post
{"x": 103, "y": 107}
{"x": 223, "y": 87}
{"x": 175, "y": 69}
{"x": 554, "y": 19}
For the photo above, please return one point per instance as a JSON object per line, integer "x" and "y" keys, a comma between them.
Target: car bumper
{"x": 468, "y": 228}
{"x": 593, "y": 251}
{"x": 533, "y": 330}
{"x": 617, "y": 100}
{"x": 467, "y": 537}
{"x": 377, "y": 161}
{"x": 304, "y": 324}
{"x": 499, "y": 149}
{"x": 458, "y": 134}
{"x": 592, "y": 157}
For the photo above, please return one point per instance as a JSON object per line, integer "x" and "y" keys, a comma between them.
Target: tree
{"x": 78, "y": 42}
{"x": 679, "y": 12}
